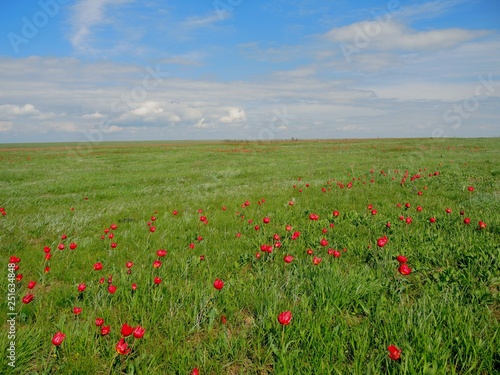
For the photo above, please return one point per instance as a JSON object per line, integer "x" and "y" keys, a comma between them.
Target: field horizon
{"x": 359, "y": 256}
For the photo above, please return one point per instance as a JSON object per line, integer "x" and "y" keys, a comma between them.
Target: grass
{"x": 444, "y": 316}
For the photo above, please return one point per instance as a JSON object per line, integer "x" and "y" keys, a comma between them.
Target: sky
{"x": 106, "y": 70}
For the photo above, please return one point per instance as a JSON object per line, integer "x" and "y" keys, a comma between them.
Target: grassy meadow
{"x": 233, "y": 211}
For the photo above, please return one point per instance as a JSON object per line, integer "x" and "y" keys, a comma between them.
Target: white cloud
{"x": 10, "y": 110}
{"x": 205, "y": 20}
{"x": 86, "y": 16}
{"x": 95, "y": 115}
{"x": 392, "y": 35}
{"x": 5, "y": 126}
{"x": 234, "y": 115}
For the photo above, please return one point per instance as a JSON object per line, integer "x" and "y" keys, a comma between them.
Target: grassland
{"x": 346, "y": 310}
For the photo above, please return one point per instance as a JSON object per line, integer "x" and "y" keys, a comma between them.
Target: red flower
{"x": 46, "y": 249}
{"x": 218, "y": 284}
{"x": 63, "y": 237}
{"x": 195, "y": 371}
{"x": 58, "y": 338}
{"x": 112, "y": 289}
{"x": 336, "y": 253}
{"x": 31, "y": 284}
{"x": 129, "y": 264}
{"x": 448, "y": 210}
{"x": 317, "y": 260}
{"x": 285, "y": 317}
{"x": 323, "y": 242}
{"x": 134, "y": 286}
{"x": 81, "y": 287}
{"x": 223, "y": 319}
{"x": 72, "y": 246}
{"x": 28, "y": 298}
{"x": 161, "y": 252}
{"x": 408, "y": 220}
{"x": 113, "y": 245}
{"x": 105, "y": 330}
{"x": 122, "y": 347}
{"x": 266, "y": 220}
{"x": 138, "y": 332}
{"x": 157, "y": 280}
{"x": 394, "y": 352}
{"x": 288, "y": 259}
{"x": 99, "y": 322}
{"x": 404, "y": 269}
{"x": 470, "y": 188}
{"x": 467, "y": 221}
{"x": 126, "y": 330}
{"x": 382, "y": 241}
{"x": 60, "y": 246}
{"x": 152, "y": 228}
{"x": 19, "y": 276}
{"x": 402, "y": 259}
{"x": 114, "y": 226}
{"x": 432, "y": 219}
{"x": 98, "y": 266}
{"x": 481, "y": 225}
{"x": 388, "y": 225}
{"x": 77, "y": 310}
{"x": 156, "y": 264}
{"x": 295, "y": 235}
{"x": 314, "y": 217}
{"x": 335, "y": 213}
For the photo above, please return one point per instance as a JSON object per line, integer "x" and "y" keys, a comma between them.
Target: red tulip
{"x": 195, "y": 371}
{"x": 47, "y": 269}
{"x": 138, "y": 332}
{"x": 129, "y": 264}
{"x": 218, "y": 284}
{"x": 402, "y": 259}
{"x": 257, "y": 255}
{"x": 152, "y": 228}
{"x": 114, "y": 226}
{"x": 382, "y": 241}
{"x": 46, "y": 249}
{"x": 58, "y": 338}
{"x": 404, "y": 269}
{"x": 134, "y": 286}
{"x": 31, "y": 284}
{"x": 309, "y": 252}
{"x": 295, "y": 235}
{"x": 394, "y": 352}
{"x": 153, "y": 218}
{"x": 156, "y": 264}
{"x": 126, "y": 330}
{"x": 48, "y": 256}
{"x": 98, "y": 266}
{"x": 419, "y": 208}
{"x": 19, "y": 276}
{"x": 157, "y": 280}
{"x": 470, "y": 188}
{"x": 81, "y": 287}
{"x": 113, "y": 245}
{"x": 77, "y": 310}
{"x": 122, "y": 347}
{"x": 448, "y": 210}
{"x": 388, "y": 224}
{"x": 112, "y": 289}
{"x": 336, "y": 253}
{"x": 374, "y": 212}
{"x": 481, "y": 225}
{"x": 202, "y": 257}
{"x": 161, "y": 252}
{"x": 288, "y": 259}
{"x": 288, "y": 228}
{"x": 314, "y": 217}
{"x": 28, "y": 298}
{"x": 323, "y": 242}
{"x": 432, "y": 219}
{"x": 60, "y": 246}
{"x": 266, "y": 220}
{"x": 317, "y": 260}
{"x": 99, "y": 322}
{"x": 467, "y": 221}
{"x": 336, "y": 213}
{"x": 191, "y": 245}
{"x": 72, "y": 246}
{"x": 223, "y": 319}
{"x": 408, "y": 220}
{"x": 105, "y": 330}
{"x": 63, "y": 237}
{"x": 285, "y": 317}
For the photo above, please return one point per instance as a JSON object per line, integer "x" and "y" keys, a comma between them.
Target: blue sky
{"x": 93, "y": 70}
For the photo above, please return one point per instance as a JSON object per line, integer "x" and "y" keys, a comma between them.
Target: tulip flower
{"x": 105, "y": 330}
{"x": 285, "y": 317}
{"x": 31, "y": 284}
{"x": 288, "y": 259}
{"x": 394, "y": 352}
{"x": 127, "y": 330}
{"x": 58, "y": 338}
{"x": 218, "y": 284}
{"x": 122, "y": 347}
{"x": 404, "y": 269}
{"x": 28, "y": 298}
{"x": 99, "y": 322}
{"x": 138, "y": 332}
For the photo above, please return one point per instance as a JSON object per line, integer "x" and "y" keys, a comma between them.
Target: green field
{"x": 346, "y": 310}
